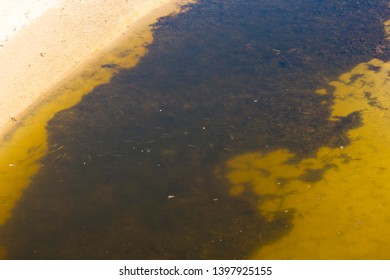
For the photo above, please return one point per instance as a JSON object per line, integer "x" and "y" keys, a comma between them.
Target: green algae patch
{"x": 20, "y": 155}
{"x": 344, "y": 212}
{"x": 188, "y": 106}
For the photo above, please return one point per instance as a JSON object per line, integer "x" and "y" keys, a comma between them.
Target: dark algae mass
{"x": 134, "y": 170}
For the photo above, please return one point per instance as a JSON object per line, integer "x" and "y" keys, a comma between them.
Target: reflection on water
{"x": 228, "y": 140}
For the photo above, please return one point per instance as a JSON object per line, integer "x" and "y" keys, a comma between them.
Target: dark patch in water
{"x": 109, "y": 65}
{"x": 313, "y": 175}
{"x": 137, "y": 176}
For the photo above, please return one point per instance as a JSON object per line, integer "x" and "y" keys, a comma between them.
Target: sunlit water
{"x": 249, "y": 129}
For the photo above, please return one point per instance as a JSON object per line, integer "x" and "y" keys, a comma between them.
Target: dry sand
{"x": 42, "y": 41}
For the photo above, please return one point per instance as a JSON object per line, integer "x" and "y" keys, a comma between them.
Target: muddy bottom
{"x": 137, "y": 170}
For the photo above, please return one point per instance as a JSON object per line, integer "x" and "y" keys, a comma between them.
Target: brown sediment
{"x": 343, "y": 214}
{"x": 123, "y": 109}
{"x": 26, "y": 140}
{"x": 57, "y": 43}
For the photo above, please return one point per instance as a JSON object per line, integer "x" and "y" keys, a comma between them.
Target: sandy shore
{"x": 43, "y": 41}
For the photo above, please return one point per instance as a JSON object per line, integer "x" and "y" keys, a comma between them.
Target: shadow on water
{"x": 131, "y": 169}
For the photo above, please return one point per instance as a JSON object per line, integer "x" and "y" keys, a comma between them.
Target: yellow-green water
{"x": 345, "y": 215}
{"x": 199, "y": 101}
{"x": 20, "y": 155}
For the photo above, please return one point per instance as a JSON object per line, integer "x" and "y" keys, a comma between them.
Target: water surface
{"x": 201, "y": 151}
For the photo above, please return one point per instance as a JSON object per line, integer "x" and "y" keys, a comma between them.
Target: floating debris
{"x": 277, "y": 52}
{"x": 192, "y": 146}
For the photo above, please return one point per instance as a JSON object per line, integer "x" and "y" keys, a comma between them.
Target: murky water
{"x": 234, "y": 137}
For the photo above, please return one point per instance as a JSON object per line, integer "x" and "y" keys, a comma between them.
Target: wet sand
{"x": 56, "y": 85}
{"x": 44, "y": 42}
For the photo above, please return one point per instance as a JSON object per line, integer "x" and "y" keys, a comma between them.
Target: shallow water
{"x": 234, "y": 137}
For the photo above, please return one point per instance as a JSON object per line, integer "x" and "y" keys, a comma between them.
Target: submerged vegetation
{"x": 222, "y": 143}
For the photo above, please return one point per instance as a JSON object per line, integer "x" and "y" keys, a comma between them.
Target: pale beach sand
{"x": 42, "y": 41}
{"x": 45, "y": 62}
